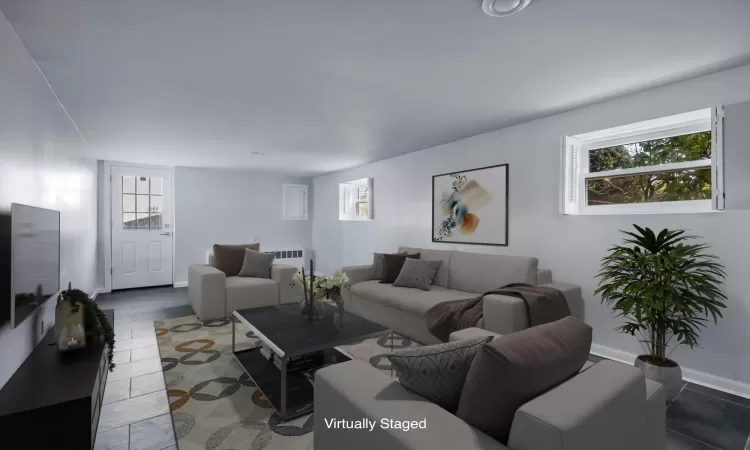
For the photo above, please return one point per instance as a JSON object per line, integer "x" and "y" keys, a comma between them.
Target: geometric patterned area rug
{"x": 215, "y": 405}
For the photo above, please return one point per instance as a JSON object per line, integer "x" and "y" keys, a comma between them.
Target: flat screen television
{"x": 34, "y": 259}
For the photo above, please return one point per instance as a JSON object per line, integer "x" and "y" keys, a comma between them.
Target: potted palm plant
{"x": 665, "y": 287}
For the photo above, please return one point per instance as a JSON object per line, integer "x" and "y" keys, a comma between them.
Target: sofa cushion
{"x": 242, "y": 293}
{"x": 378, "y": 265}
{"x": 479, "y": 273}
{"x": 441, "y": 279}
{"x": 392, "y": 264}
{"x": 516, "y": 368}
{"x": 229, "y": 258}
{"x": 437, "y": 372}
{"x": 409, "y": 300}
{"x": 418, "y": 273}
{"x": 256, "y": 264}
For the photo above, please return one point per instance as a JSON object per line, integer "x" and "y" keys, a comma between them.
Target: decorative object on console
{"x": 665, "y": 288}
{"x": 70, "y": 333}
{"x": 321, "y": 288}
{"x": 418, "y": 273}
{"x": 471, "y": 207}
{"x": 513, "y": 369}
{"x": 256, "y": 264}
{"x": 96, "y": 324}
{"x": 437, "y": 372}
{"x": 392, "y": 265}
{"x": 229, "y": 258}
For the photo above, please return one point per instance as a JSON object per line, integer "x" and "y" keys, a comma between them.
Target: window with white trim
{"x": 669, "y": 165}
{"x": 355, "y": 200}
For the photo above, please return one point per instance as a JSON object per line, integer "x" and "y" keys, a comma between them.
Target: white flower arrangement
{"x": 325, "y": 286}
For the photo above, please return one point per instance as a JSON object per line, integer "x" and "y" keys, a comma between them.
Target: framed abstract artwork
{"x": 471, "y": 206}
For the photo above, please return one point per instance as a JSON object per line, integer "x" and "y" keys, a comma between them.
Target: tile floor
{"x": 136, "y": 411}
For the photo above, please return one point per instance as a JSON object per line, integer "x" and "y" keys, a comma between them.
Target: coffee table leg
{"x": 283, "y": 388}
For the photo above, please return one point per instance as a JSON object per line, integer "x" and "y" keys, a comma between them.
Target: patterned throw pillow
{"x": 418, "y": 273}
{"x": 256, "y": 264}
{"x": 437, "y": 372}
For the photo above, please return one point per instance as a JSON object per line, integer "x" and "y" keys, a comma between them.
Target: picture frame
{"x": 472, "y": 206}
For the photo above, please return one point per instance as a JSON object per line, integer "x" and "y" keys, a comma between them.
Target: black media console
{"x": 54, "y": 400}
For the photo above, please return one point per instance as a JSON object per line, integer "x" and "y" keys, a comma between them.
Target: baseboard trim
{"x": 693, "y": 376}
{"x": 180, "y": 284}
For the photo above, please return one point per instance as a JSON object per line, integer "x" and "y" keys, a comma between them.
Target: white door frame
{"x": 105, "y": 217}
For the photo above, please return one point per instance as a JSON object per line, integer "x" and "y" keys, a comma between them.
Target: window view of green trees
{"x": 690, "y": 184}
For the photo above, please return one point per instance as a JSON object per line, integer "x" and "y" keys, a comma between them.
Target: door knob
{"x": 166, "y": 234}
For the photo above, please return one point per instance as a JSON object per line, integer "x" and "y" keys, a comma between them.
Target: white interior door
{"x": 141, "y": 227}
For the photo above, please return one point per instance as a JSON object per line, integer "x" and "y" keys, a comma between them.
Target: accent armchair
{"x": 213, "y": 295}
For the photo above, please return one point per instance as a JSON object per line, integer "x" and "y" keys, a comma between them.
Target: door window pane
{"x": 142, "y": 185}
{"x": 128, "y": 221}
{"x": 142, "y": 221}
{"x": 156, "y": 221}
{"x": 156, "y": 186}
{"x": 156, "y": 204}
{"x": 128, "y": 184}
{"x": 128, "y": 203}
{"x": 143, "y": 204}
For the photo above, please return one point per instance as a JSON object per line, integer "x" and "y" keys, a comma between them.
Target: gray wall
{"x": 569, "y": 245}
{"x": 214, "y": 206}
{"x": 37, "y": 140}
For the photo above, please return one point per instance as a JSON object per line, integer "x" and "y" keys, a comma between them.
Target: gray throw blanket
{"x": 543, "y": 305}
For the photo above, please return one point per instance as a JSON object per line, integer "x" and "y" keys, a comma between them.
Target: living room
{"x": 449, "y": 129}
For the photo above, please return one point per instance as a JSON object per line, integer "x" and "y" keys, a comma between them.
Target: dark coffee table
{"x": 282, "y": 329}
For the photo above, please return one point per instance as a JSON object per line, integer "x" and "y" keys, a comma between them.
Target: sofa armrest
{"x": 471, "y": 333}
{"x": 354, "y": 390}
{"x": 207, "y": 291}
{"x": 356, "y": 274}
{"x": 572, "y": 294}
{"x": 602, "y": 407}
{"x": 504, "y": 314}
{"x": 284, "y": 275}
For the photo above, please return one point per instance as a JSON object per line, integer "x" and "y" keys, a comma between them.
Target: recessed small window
{"x": 667, "y": 165}
{"x": 355, "y": 200}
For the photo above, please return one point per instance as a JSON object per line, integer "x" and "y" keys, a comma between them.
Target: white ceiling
{"x": 321, "y": 85}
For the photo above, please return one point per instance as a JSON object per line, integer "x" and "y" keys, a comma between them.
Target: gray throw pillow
{"x": 377, "y": 272}
{"x": 418, "y": 273}
{"x": 256, "y": 264}
{"x": 437, "y": 372}
{"x": 518, "y": 367}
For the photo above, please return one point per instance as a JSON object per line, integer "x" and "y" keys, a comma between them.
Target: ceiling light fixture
{"x": 503, "y": 8}
{"x": 254, "y": 154}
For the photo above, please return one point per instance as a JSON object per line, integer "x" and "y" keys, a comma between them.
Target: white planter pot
{"x": 669, "y": 376}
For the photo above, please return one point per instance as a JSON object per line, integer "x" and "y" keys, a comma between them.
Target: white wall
{"x": 571, "y": 246}
{"x": 37, "y": 141}
{"x": 214, "y": 206}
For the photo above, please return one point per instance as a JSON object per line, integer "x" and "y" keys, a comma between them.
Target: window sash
{"x": 685, "y": 165}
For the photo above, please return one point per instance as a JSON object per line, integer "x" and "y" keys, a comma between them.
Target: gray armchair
{"x": 213, "y": 295}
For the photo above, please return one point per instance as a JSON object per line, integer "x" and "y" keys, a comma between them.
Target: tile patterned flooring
{"x": 136, "y": 411}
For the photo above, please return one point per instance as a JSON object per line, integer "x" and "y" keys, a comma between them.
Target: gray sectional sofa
{"x": 608, "y": 405}
{"x": 462, "y": 275}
